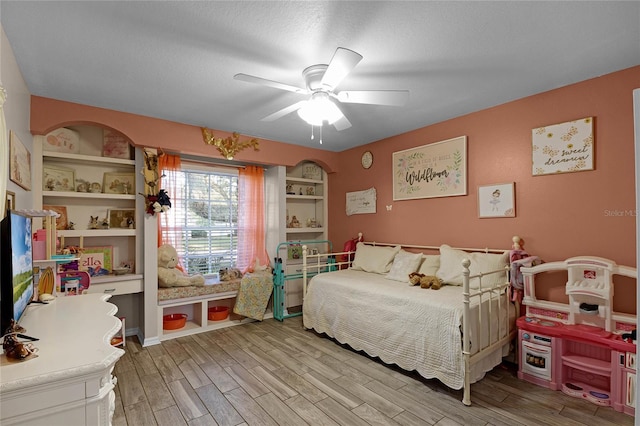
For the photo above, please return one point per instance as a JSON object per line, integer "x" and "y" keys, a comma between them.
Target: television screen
{"x": 16, "y": 276}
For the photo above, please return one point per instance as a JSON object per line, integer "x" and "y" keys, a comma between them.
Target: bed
{"x": 365, "y": 300}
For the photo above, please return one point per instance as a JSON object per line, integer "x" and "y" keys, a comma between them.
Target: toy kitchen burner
{"x": 579, "y": 348}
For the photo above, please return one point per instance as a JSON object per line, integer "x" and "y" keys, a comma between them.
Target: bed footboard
{"x": 490, "y": 339}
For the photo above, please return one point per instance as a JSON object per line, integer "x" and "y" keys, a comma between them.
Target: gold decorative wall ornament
{"x": 229, "y": 146}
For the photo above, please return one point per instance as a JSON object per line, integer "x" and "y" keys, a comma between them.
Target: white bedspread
{"x": 414, "y": 328}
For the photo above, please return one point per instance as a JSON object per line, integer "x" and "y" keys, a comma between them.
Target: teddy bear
{"x": 425, "y": 281}
{"x": 169, "y": 275}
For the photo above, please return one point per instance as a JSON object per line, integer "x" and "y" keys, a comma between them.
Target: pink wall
{"x": 559, "y": 216}
{"x": 49, "y": 114}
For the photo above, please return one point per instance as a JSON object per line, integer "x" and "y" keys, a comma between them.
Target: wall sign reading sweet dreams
{"x": 435, "y": 170}
{"x": 562, "y": 148}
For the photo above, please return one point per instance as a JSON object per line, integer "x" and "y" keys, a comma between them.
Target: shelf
{"x": 304, "y": 230}
{"x": 79, "y": 158}
{"x": 88, "y": 195}
{"x": 304, "y": 197}
{"x": 104, "y": 279}
{"x": 585, "y": 363}
{"x": 303, "y": 180}
{"x": 87, "y": 233}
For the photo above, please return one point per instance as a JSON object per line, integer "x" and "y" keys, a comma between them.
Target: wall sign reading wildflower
{"x": 562, "y": 148}
{"x": 435, "y": 170}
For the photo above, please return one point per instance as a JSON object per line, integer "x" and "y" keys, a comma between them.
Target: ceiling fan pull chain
{"x": 322, "y": 125}
{"x": 312, "y": 132}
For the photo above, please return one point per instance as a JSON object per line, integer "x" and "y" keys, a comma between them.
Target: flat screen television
{"x": 16, "y": 269}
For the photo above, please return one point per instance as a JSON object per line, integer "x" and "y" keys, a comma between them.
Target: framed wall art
{"x": 497, "y": 200}
{"x": 115, "y": 145}
{"x": 19, "y": 162}
{"x": 435, "y": 170}
{"x": 9, "y": 202}
{"x": 562, "y": 148}
{"x": 119, "y": 183}
{"x": 62, "y": 140}
{"x": 56, "y": 178}
{"x": 62, "y": 222}
{"x": 96, "y": 261}
{"x": 122, "y": 218}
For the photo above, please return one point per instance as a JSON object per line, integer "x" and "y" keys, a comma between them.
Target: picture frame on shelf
{"x": 497, "y": 200}
{"x": 10, "y": 201}
{"x": 62, "y": 140}
{"x": 62, "y": 222}
{"x": 119, "y": 183}
{"x": 122, "y": 218}
{"x": 55, "y": 178}
{"x": 311, "y": 171}
{"x": 96, "y": 261}
{"x": 115, "y": 145}
{"x": 19, "y": 162}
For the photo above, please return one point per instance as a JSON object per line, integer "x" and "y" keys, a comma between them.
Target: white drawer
{"x": 116, "y": 287}
{"x": 293, "y": 269}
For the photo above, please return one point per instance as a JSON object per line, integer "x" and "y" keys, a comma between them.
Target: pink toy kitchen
{"x": 582, "y": 348}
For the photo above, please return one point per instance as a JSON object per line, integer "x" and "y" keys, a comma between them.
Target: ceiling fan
{"x": 321, "y": 81}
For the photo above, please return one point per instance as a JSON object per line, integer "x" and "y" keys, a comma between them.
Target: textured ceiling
{"x": 176, "y": 60}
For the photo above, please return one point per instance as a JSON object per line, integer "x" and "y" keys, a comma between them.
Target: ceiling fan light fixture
{"x": 320, "y": 109}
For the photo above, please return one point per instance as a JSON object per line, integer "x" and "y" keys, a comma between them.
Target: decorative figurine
{"x": 93, "y": 222}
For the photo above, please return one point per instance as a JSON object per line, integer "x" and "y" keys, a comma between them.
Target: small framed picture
{"x": 497, "y": 200}
{"x": 96, "y": 261}
{"x": 311, "y": 171}
{"x": 10, "y": 201}
{"x": 62, "y": 222}
{"x": 62, "y": 140}
{"x": 119, "y": 183}
{"x": 58, "y": 179}
{"x": 122, "y": 218}
{"x": 19, "y": 162}
{"x": 115, "y": 145}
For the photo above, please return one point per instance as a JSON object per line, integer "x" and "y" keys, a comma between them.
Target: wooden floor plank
{"x": 309, "y": 412}
{"x": 169, "y": 416}
{"x": 157, "y": 392}
{"x": 187, "y": 400}
{"x": 219, "y": 407}
{"x": 279, "y": 411}
{"x": 248, "y": 408}
{"x": 139, "y": 414}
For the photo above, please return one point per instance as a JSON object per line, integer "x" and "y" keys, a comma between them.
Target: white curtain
{"x": 4, "y": 158}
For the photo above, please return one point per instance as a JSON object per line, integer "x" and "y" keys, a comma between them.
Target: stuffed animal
{"x": 425, "y": 281}
{"x": 169, "y": 275}
{"x": 228, "y": 274}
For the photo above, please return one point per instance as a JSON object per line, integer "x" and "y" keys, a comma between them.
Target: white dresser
{"x": 70, "y": 382}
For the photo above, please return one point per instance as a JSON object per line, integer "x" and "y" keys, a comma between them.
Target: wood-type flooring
{"x": 277, "y": 373}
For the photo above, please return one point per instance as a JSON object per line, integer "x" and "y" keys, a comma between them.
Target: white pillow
{"x": 375, "y": 259}
{"x": 430, "y": 264}
{"x": 450, "y": 270}
{"x": 403, "y": 264}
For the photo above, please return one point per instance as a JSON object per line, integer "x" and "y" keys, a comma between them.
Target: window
{"x": 205, "y": 213}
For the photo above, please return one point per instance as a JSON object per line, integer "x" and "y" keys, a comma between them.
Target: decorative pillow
{"x": 430, "y": 264}
{"x": 403, "y": 264}
{"x": 375, "y": 259}
{"x": 450, "y": 270}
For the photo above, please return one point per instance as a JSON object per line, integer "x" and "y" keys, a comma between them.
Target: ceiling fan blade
{"x": 342, "y": 124}
{"x": 343, "y": 61}
{"x": 284, "y": 111}
{"x": 269, "y": 83}
{"x": 374, "y": 97}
